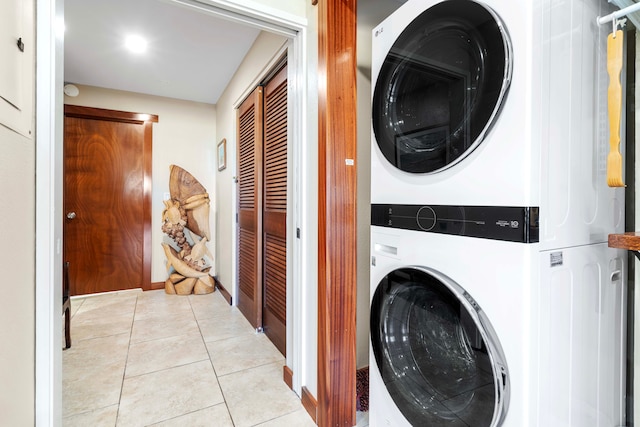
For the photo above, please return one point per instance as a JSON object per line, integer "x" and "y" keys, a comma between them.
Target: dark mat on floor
{"x": 362, "y": 389}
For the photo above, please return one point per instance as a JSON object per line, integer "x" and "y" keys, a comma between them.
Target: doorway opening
{"x": 107, "y": 225}
{"x": 49, "y": 126}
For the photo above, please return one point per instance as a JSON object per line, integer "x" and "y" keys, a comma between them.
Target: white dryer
{"x": 496, "y": 103}
{"x": 484, "y": 332}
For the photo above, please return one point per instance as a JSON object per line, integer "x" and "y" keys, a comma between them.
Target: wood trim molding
{"x": 103, "y": 114}
{"x": 336, "y": 213}
{"x": 629, "y": 241}
{"x": 223, "y": 291}
{"x": 147, "y": 250}
{"x": 156, "y": 285}
{"x": 310, "y": 404}
{"x": 287, "y": 376}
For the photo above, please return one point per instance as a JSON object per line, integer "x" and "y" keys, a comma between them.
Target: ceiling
{"x": 191, "y": 55}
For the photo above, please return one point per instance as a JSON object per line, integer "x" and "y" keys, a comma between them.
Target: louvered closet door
{"x": 250, "y": 208}
{"x": 274, "y": 307}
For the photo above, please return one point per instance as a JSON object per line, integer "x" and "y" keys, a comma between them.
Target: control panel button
{"x": 426, "y": 218}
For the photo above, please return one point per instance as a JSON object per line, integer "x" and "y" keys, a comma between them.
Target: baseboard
{"x": 287, "y": 376}
{"x": 157, "y": 285}
{"x": 223, "y": 291}
{"x": 310, "y": 404}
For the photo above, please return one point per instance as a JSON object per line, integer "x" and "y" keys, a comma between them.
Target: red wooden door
{"x": 107, "y": 205}
{"x": 274, "y": 305}
{"x": 250, "y": 208}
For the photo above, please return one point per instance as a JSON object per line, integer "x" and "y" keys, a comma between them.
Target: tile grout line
{"x": 224, "y": 398}
{"x": 235, "y": 372}
{"x": 182, "y": 415}
{"x": 74, "y": 312}
{"x": 275, "y": 418}
{"x": 250, "y": 368}
{"x": 124, "y": 372}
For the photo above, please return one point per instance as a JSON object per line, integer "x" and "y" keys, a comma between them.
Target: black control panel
{"x": 512, "y": 224}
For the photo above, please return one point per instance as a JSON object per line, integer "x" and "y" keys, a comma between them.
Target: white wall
{"x": 264, "y": 49}
{"x": 185, "y": 135}
{"x": 17, "y": 186}
{"x": 364, "y": 218}
{"x": 17, "y": 334}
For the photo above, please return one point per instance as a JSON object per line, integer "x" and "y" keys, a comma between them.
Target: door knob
{"x": 71, "y": 215}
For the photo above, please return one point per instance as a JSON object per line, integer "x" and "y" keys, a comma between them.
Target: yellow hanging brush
{"x": 614, "y": 65}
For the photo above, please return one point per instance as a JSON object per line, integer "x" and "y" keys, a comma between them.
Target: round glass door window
{"x": 441, "y": 86}
{"x": 437, "y": 354}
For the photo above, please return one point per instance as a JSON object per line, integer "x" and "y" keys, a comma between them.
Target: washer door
{"x": 441, "y": 86}
{"x": 436, "y": 351}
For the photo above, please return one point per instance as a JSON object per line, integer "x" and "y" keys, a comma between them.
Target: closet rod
{"x": 618, "y": 14}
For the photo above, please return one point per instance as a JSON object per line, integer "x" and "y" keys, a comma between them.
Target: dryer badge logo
{"x": 505, "y": 223}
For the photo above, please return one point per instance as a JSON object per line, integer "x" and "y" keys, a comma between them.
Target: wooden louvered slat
{"x": 246, "y": 262}
{"x": 277, "y": 161}
{"x": 277, "y": 145}
{"x": 277, "y": 184}
{"x": 277, "y": 171}
{"x": 276, "y": 277}
{"x": 277, "y": 157}
{"x": 246, "y": 173}
{"x": 276, "y": 149}
{"x": 275, "y": 135}
{"x": 275, "y": 139}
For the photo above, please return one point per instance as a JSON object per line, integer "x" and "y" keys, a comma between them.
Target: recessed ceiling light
{"x": 135, "y": 44}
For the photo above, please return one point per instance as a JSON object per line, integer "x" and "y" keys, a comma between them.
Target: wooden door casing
{"x": 337, "y": 216}
{"x": 250, "y": 208}
{"x": 274, "y": 304}
{"x": 108, "y": 243}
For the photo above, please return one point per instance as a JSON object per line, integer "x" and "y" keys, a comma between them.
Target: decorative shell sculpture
{"x": 185, "y": 222}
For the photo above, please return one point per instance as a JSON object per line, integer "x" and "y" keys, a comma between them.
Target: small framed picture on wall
{"x": 222, "y": 154}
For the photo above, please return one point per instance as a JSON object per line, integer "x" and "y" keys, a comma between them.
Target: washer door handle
{"x": 390, "y": 250}
{"x": 616, "y": 276}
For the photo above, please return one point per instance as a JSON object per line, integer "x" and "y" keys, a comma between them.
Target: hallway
{"x": 148, "y": 358}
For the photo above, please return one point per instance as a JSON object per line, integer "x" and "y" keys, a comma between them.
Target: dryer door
{"x": 437, "y": 354}
{"x": 441, "y": 86}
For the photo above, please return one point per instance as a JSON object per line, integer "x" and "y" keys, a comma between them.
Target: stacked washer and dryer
{"x": 495, "y": 300}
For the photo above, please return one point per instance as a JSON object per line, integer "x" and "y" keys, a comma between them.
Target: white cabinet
{"x": 17, "y": 50}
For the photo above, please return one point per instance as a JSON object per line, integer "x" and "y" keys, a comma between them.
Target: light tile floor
{"x": 151, "y": 359}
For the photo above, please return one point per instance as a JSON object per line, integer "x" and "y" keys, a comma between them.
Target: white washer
{"x": 496, "y": 103}
{"x": 480, "y": 332}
